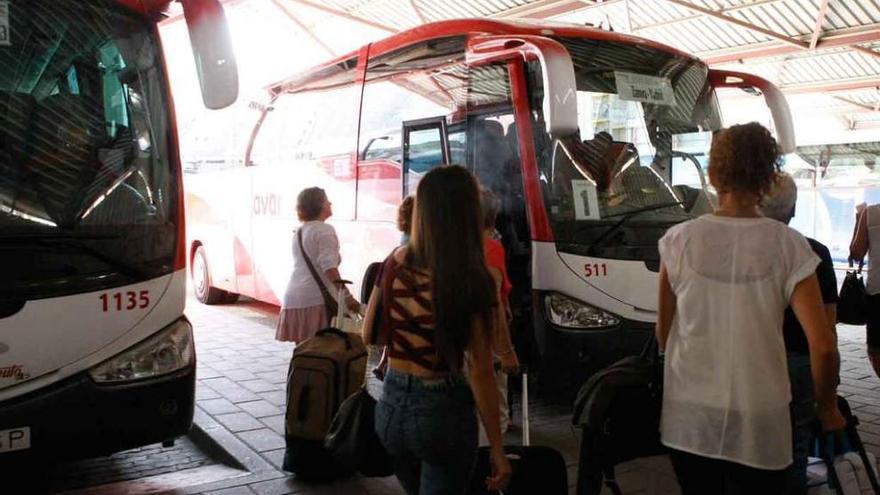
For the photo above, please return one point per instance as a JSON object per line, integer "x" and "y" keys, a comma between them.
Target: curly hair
{"x": 744, "y": 159}
{"x": 404, "y": 215}
{"x": 309, "y": 203}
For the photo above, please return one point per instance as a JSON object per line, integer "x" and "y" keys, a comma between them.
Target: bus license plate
{"x": 15, "y": 439}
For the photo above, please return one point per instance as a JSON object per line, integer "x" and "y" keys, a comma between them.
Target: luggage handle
{"x": 526, "y": 440}
{"x": 858, "y": 271}
{"x": 337, "y": 332}
{"x": 856, "y": 443}
{"x": 340, "y": 298}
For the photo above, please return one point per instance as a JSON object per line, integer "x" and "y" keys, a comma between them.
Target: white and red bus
{"x": 95, "y": 353}
{"x": 595, "y": 141}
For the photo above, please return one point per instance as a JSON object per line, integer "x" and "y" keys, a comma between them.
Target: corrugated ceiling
{"x": 767, "y": 37}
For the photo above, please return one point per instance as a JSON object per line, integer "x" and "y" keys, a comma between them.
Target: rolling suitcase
{"x": 324, "y": 371}
{"x": 850, "y": 469}
{"x": 536, "y": 469}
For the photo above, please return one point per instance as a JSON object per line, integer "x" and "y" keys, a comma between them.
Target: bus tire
{"x": 201, "y": 279}
{"x": 230, "y": 298}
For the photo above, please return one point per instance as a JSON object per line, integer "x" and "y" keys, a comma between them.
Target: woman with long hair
{"x": 725, "y": 281}
{"x": 435, "y": 306}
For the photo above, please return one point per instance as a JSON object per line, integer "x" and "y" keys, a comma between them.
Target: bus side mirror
{"x": 212, "y": 50}
{"x": 557, "y": 69}
{"x": 774, "y": 98}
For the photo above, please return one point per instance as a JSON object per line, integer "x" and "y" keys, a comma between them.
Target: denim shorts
{"x": 429, "y": 428}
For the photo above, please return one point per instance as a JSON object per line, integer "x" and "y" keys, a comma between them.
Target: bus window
{"x": 424, "y": 147}
{"x": 310, "y": 134}
{"x": 423, "y": 81}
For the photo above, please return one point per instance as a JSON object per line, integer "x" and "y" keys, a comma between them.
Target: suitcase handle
{"x": 341, "y": 310}
{"x": 337, "y": 332}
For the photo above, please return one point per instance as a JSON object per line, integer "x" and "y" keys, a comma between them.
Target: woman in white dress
{"x": 303, "y": 311}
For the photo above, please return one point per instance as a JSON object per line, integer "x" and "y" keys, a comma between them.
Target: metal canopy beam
{"x": 743, "y": 24}
{"x": 543, "y": 9}
{"x": 311, "y": 34}
{"x": 417, "y": 11}
{"x": 725, "y": 10}
{"x": 820, "y": 19}
{"x": 854, "y": 103}
{"x": 346, "y": 15}
{"x": 831, "y": 39}
{"x": 833, "y": 86}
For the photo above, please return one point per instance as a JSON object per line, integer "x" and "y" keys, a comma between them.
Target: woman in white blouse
{"x": 303, "y": 311}
{"x": 866, "y": 242}
{"x": 725, "y": 281}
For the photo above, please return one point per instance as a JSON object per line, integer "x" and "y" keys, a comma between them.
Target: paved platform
{"x": 240, "y": 419}
{"x": 241, "y": 385}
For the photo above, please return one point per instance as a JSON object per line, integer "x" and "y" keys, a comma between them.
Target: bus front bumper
{"x": 77, "y": 418}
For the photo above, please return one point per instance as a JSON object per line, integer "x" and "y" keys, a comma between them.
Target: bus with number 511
{"x": 595, "y": 141}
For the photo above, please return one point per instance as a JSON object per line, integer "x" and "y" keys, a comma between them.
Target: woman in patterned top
{"x": 436, "y": 307}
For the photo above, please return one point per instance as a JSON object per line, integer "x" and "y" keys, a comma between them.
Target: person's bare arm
{"x": 858, "y": 248}
{"x": 482, "y": 378}
{"x": 502, "y": 344}
{"x": 371, "y": 314}
{"x": 665, "y": 308}
{"x": 807, "y": 304}
{"x": 831, "y": 314}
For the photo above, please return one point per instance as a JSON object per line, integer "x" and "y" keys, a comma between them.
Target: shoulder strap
{"x": 329, "y": 302}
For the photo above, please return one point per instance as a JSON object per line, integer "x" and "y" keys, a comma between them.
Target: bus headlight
{"x": 166, "y": 352}
{"x": 567, "y": 312}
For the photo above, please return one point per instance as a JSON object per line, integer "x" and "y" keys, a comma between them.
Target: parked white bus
{"x": 580, "y": 131}
{"x": 95, "y": 353}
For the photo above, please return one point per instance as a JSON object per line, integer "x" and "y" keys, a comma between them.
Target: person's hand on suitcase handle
{"x": 501, "y": 470}
{"x": 350, "y": 302}
{"x": 509, "y": 362}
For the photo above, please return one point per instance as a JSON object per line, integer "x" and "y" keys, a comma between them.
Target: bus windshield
{"x": 637, "y": 164}
{"x": 88, "y": 193}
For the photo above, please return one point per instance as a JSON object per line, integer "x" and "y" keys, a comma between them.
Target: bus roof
{"x": 475, "y": 27}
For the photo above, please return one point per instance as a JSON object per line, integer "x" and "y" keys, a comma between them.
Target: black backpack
{"x": 618, "y": 410}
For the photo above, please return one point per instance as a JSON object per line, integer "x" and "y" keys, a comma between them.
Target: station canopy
{"x": 824, "y": 54}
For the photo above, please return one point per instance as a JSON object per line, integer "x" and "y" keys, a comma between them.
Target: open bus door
{"x": 425, "y": 146}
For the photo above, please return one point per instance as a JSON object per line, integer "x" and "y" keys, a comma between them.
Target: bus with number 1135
{"x": 95, "y": 353}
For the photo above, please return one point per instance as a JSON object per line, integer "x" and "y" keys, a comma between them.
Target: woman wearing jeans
{"x": 438, "y": 309}
{"x": 725, "y": 281}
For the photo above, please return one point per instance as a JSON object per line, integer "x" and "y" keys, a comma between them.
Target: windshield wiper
{"x": 73, "y": 240}
{"x": 625, "y": 216}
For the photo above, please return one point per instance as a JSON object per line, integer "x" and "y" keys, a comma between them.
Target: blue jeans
{"x": 429, "y": 427}
{"x": 803, "y": 413}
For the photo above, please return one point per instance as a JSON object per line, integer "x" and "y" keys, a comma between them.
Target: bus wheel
{"x": 202, "y": 281}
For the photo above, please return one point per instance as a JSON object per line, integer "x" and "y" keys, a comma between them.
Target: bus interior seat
{"x": 490, "y": 153}
{"x": 15, "y": 120}
{"x": 62, "y": 143}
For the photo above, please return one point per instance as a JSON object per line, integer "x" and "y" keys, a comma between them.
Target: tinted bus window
{"x": 88, "y": 193}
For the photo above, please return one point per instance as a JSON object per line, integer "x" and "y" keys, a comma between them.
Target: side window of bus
{"x": 422, "y": 83}
{"x": 312, "y": 134}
